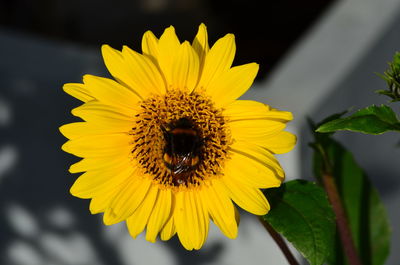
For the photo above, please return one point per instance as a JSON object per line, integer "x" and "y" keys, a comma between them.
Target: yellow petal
{"x": 168, "y": 46}
{"x": 94, "y": 183}
{"x": 138, "y": 220}
{"x": 99, "y": 203}
{"x": 116, "y": 65}
{"x": 232, "y": 83}
{"x": 259, "y": 155}
{"x": 76, "y": 129}
{"x": 190, "y": 219}
{"x": 168, "y": 230}
{"x": 202, "y": 215}
{"x": 159, "y": 215}
{"x": 260, "y": 124}
{"x": 99, "y": 146}
{"x": 144, "y": 72}
{"x": 218, "y": 60}
{"x": 270, "y": 136}
{"x": 248, "y": 198}
{"x": 237, "y": 216}
{"x": 150, "y": 45}
{"x": 181, "y": 221}
{"x": 127, "y": 200}
{"x": 121, "y": 71}
{"x": 109, "y": 92}
{"x": 78, "y": 91}
{"x": 79, "y": 129}
{"x": 280, "y": 143}
{"x": 221, "y": 209}
{"x": 250, "y": 172}
{"x": 104, "y": 115}
{"x": 255, "y": 129}
{"x": 96, "y": 163}
{"x": 200, "y": 44}
{"x": 185, "y": 68}
{"x": 251, "y": 110}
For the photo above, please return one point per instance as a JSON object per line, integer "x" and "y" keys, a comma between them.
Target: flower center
{"x": 180, "y": 139}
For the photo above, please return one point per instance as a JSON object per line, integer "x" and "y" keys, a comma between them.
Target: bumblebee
{"x": 182, "y": 148}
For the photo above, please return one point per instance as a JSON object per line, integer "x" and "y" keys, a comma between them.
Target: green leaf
{"x": 370, "y": 120}
{"x": 332, "y": 117}
{"x": 396, "y": 61}
{"x": 392, "y": 78}
{"x": 366, "y": 214}
{"x": 390, "y": 94}
{"x": 384, "y": 92}
{"x": 300, "y": 211}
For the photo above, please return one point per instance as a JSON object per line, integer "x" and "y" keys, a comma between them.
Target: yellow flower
{"x": 167, "y": 146}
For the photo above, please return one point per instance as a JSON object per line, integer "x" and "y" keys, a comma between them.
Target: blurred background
{"x": 316, "y": 58}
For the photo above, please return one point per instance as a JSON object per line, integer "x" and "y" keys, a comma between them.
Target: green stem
{"x": 279, "y": 241}
{"x": 341, "y": 220}
{"x": 336, "y": 202}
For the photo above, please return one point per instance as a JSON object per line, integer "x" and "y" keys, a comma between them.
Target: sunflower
{"x": 167, "y": 146}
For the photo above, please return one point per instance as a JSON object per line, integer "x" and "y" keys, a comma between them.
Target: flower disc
{"x": 158, "y": 118}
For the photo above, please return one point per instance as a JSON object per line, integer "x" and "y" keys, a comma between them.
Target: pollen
{"x": 158, "y": 115}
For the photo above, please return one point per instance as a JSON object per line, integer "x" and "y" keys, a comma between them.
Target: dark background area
{"x": 264, "y": 30}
